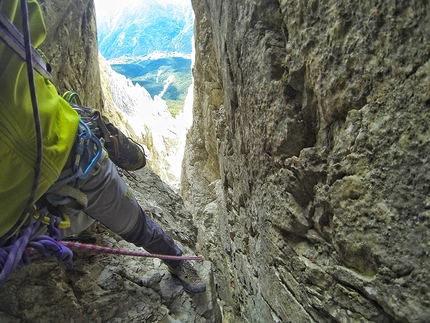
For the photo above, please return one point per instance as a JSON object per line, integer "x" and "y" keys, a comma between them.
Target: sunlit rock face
{"x": 307, "y": 165}
{"x": 148, "y": 121}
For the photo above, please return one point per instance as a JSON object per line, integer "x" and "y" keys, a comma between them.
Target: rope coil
{"x": 16, "y": 254}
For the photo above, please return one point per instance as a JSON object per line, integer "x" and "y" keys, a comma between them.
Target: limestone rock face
{"x": 307, "y": 165}
{"x": 71, "y": 48}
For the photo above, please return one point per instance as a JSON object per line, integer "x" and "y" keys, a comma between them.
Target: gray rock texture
{"x": 307, "y": 165}
{"x": 305, "y": 178}
{"x": 71, "y": 48}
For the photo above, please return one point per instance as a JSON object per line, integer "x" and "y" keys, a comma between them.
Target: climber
{"x": 45, "y": 153}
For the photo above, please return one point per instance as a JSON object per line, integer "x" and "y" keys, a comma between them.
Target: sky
{"x": 107, "y": 6}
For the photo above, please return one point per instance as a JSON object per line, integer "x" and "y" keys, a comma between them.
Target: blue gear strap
{"x": 84, "y": 162}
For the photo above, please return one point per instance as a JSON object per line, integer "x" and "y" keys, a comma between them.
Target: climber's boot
{"x": 188, "y": 276}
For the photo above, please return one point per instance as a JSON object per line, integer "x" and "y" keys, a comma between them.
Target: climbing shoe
{"x": 124, "y": 151}
{"x": 189, "y": 278}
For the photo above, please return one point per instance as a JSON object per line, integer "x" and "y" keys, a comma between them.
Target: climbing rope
{"x": 99, "y": 249}
{"x": 16, "y": 254}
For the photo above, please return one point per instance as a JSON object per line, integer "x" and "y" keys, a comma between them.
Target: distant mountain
{"x": 148, "y": 121}
{"x": 140, "y": 28}
{"x": 150, "y": 42}
{"x": 166, "y": 77}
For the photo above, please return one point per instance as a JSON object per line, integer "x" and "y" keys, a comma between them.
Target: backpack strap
{"x": 13, "y": 38}
{"x": 21, "y": 44}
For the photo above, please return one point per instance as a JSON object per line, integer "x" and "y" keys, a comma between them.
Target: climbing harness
{"x": 87, "y": 152}
{"x": 63, "y": 220}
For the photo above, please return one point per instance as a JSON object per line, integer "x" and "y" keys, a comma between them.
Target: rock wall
{"x": 307, "y": 164}
{"x": 71, "y": 48}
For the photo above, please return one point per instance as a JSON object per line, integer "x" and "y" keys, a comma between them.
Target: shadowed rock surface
{"x": 307, "y": 166}
{"x": 71, "y": 48}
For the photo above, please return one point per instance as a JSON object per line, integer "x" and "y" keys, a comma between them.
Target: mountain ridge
{"x": 151, "y": 44}
{"x": 144, "y": 28}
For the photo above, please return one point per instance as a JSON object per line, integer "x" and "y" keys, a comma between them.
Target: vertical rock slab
{"x": 71, "y": 48}
{"x": 306, "y": 167}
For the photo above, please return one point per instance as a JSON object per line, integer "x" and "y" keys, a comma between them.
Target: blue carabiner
{"x": 95, "y": 159}
{"x": 88, "y": 135}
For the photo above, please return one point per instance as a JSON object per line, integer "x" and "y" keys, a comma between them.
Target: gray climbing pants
{"x": 111, "y": 202}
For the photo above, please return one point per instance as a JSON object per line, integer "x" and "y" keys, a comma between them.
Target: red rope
{"x": 99, "y": 249}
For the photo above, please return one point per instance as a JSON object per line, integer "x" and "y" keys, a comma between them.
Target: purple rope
{"x": 49, "y": 247}
{"x": 12, "y": 256}
{"x": 16, "y": 255}
{"x": 54, "y": 222}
